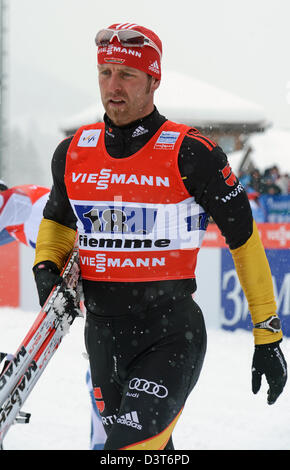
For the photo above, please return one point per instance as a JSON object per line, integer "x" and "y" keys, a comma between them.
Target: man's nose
{"x": 115, "y": 84}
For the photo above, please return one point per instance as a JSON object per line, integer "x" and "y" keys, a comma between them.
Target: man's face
{"x": 127, "y": 93}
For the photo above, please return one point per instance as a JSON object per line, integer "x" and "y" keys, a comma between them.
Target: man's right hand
{"x": 46, "y": 275}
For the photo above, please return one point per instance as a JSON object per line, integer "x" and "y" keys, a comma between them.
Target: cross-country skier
{"x": 21, "y": 210}
{"x": 139, "y": 188}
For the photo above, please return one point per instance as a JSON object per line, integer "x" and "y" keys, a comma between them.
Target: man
{"x": 21, "y": 210}
{"x": 140, "y": 188}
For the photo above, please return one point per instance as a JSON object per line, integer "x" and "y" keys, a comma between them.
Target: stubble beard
{"x": 118, "y": 116}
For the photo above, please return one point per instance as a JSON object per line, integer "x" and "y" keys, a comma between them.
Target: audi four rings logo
{"x": 142, "y": 385}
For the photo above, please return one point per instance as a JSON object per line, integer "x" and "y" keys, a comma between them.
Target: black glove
{"x": 46, "y": 275}
{"x": 269, "y": 360}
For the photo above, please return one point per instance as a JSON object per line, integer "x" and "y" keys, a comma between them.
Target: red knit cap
{"x": 144, "y": 58}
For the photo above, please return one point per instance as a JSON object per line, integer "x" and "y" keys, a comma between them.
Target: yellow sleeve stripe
{"x": 256, "y": 280}
{"x": 157, "y": 442}
{"x": 54, "y": 242}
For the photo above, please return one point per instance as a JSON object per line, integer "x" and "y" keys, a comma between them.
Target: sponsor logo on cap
{"x": 154, "y": 67}
{"x": 114, "y": 60}
{"x": 112, "y": 49}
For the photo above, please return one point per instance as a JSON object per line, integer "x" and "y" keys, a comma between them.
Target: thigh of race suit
{"x": 99, "y": 345}
{"x": 142, "y": 382}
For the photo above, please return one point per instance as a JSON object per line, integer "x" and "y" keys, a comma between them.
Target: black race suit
{"x": 146, "y": 340}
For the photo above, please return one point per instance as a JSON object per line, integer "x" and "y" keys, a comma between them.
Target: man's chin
{"x": 117, "y": 114}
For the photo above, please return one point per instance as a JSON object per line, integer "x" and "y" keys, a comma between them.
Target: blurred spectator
{"x": 284, "y": 183}
{"x": 268, "y": 187}
{"x": 273, "y": 173}
{"x": 268, "y": 182}
{"x": 255, "y": 182}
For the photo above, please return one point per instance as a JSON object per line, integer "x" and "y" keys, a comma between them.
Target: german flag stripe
{"x": 207, "y": 142}
{"x": 194, "y": 132}
{"x": 157, "y": 442}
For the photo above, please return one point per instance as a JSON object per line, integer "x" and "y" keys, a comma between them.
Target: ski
{"x": 39, "y": 345}
{"x": 11, "y": 408}
{"x": 40, "y": 329}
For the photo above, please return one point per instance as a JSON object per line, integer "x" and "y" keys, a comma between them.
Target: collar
{"x": 123, "y": 141}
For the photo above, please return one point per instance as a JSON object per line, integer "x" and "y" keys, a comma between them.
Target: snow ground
{"x": 221, "y": 413}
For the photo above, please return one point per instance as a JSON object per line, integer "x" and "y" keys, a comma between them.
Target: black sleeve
{"x": 58, "y": 207}
{"x": 208, "y": 177}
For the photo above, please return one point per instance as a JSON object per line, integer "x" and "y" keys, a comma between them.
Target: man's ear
{"x": 155, "y": 83}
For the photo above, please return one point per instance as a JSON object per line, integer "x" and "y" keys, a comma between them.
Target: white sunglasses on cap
{"x": 127, "y": 38}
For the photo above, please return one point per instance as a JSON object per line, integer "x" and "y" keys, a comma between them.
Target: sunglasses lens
{"x": 131, "y": 38}
{"x": 103, "y": 37}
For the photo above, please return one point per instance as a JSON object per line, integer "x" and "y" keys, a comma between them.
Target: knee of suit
{"x": 160, "y": 441}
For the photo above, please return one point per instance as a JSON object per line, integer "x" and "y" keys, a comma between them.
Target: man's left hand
{"x": 269, "y": 360}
